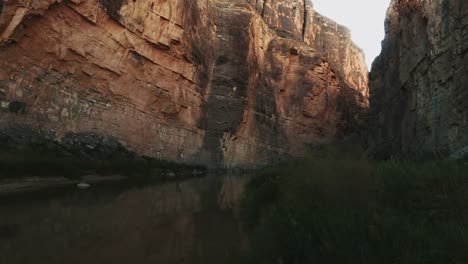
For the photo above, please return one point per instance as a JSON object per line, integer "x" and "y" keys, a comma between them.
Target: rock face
{"x": 218, "y": 82}
{"x": 419, "y": 95}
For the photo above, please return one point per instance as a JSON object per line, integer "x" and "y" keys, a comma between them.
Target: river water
{"x": 194, "y": 221}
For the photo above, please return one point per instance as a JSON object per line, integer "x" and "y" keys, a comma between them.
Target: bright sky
{"x": 365, "y": 18}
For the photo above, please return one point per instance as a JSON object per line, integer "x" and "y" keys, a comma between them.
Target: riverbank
{"x": 10, "y": 187}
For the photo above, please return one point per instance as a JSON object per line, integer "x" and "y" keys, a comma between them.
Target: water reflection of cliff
{"x": 194, "y": 221}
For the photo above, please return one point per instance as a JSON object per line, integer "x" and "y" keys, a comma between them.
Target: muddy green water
{"x": 194, "y": 221}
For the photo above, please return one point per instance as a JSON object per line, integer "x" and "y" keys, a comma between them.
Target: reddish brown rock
{"x": 225, "y": 83}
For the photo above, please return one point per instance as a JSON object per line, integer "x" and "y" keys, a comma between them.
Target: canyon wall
{"x": 419, "y": 95}
{"x": 225, "y": 83}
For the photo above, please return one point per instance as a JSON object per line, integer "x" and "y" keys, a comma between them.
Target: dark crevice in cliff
{"x": 263, "y": 8}
{"x": 304, "y": 24}
{"x": 445, "y": 21}
{"x": 112, "y": 8}
{"x": 1, "y": 7}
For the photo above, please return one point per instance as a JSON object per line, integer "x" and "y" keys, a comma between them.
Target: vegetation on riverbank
{"x": 37, "y": 163}
{"x": 336, "y": 206}
{"x": 29, "y": 154}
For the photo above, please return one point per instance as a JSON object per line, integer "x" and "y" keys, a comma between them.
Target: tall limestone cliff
{"x": 419, "y": 92}
{"x": 234, "y": 83}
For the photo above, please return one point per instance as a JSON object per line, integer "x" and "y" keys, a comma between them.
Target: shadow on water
{"x": 192, "y": 221}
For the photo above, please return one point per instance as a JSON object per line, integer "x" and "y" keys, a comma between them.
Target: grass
{"x": 336, "y": 206}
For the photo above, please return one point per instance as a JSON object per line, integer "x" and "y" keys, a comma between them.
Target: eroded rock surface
{"x": 419, "y": 95}
{"x": 218, "y": 82}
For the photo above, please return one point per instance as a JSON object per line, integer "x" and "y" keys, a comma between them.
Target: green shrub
{"x": 335, "y": 206}
{"x": 37, "y": 162}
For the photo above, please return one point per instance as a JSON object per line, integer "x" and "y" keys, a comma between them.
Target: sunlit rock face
{"x": 419, "y": 95}
{"x": 226, "y": 83}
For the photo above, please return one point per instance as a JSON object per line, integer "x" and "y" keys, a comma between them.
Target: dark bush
{"x": 26, "y": 154}
{"x": 335, "y": 206}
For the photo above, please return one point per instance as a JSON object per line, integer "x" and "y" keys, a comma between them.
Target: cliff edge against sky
{"x": 224, "y": 83}
{"x": 418, "y": 85}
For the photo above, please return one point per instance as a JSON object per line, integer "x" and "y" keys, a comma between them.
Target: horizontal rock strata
{"x": 223, "y": 83}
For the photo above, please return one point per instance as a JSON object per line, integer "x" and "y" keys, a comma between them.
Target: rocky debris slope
{"x": 218, "y": 82}
{"x": 419, "y": 95}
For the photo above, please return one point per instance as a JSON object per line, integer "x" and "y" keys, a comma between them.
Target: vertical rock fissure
{"x": 263, "y": 8}
{"x": 304, "y": 24}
